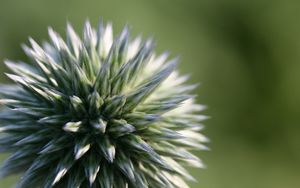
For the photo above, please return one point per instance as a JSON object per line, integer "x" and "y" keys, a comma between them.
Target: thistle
{"x": 98, "y": 111}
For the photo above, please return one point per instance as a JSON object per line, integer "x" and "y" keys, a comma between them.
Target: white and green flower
{"x": 99, "y": 112}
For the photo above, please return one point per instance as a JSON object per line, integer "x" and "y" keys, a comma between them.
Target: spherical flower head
{"x": 98, "y": 112}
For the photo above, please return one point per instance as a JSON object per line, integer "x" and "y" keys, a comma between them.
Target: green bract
{"x": 98, "y": 112}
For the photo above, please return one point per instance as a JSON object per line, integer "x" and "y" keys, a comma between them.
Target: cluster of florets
{"x": 98, "y": 112}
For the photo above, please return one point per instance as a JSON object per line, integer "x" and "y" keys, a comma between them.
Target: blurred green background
{"x": 246, "y": 54}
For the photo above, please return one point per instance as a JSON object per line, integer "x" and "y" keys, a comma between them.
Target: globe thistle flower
{"x": 98, "y": 112}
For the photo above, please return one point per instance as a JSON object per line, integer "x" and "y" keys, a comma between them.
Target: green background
{"x": 245, "y": 54}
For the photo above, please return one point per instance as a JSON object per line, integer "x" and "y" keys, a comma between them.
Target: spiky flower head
{"x": 98, "y": 112}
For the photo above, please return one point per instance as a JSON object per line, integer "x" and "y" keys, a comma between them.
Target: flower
{"x": 99, "y": 112}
